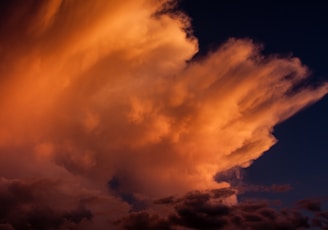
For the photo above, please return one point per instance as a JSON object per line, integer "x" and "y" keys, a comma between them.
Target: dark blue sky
{"x": 298, "y": 29}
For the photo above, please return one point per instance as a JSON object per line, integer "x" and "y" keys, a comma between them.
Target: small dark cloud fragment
{"x": 165, "y": 200}
{"x": 233, "y": 176}
{"x": 117, "y": 189}
{"x": 310, "y": 205}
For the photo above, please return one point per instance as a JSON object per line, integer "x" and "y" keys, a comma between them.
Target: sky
{"x": 143, "y": 114}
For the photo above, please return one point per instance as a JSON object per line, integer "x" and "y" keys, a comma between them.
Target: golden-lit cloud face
{"x": 95, "y": 90}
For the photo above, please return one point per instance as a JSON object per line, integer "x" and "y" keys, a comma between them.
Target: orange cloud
{"x": 92, "y": 90}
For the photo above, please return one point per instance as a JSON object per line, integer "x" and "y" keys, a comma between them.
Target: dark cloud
{"x": 201, "y": 210}
{"x": 233, "y": 176}
{"x": 117, "y": 189}
{"x": 144, "y": 220}
{"x": 320, "y": 220}
{"x": 310, "y": 205}
{"x": 165, "y": 200}
{"x": 29, "y": 205}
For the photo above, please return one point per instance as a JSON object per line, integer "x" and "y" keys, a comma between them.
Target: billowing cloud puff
{"x": 103, "y": 91}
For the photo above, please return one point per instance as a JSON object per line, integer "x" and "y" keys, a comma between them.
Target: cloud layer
{"x": 39, "y": 205}
{"x": 103, "y": 91}
{"x": 206, "y": 210}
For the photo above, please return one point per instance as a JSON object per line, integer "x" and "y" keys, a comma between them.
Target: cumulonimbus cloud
{"x": 98, "y": 90}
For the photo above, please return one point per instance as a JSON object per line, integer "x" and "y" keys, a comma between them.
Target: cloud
{"x": 200, "y": 210}
{"x": 93, "y": 92}
{"x": 39, "y": 205}
{"x": 310, "y": 205}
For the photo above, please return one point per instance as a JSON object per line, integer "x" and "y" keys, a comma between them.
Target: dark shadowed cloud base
{"x": 203, "y": 210}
